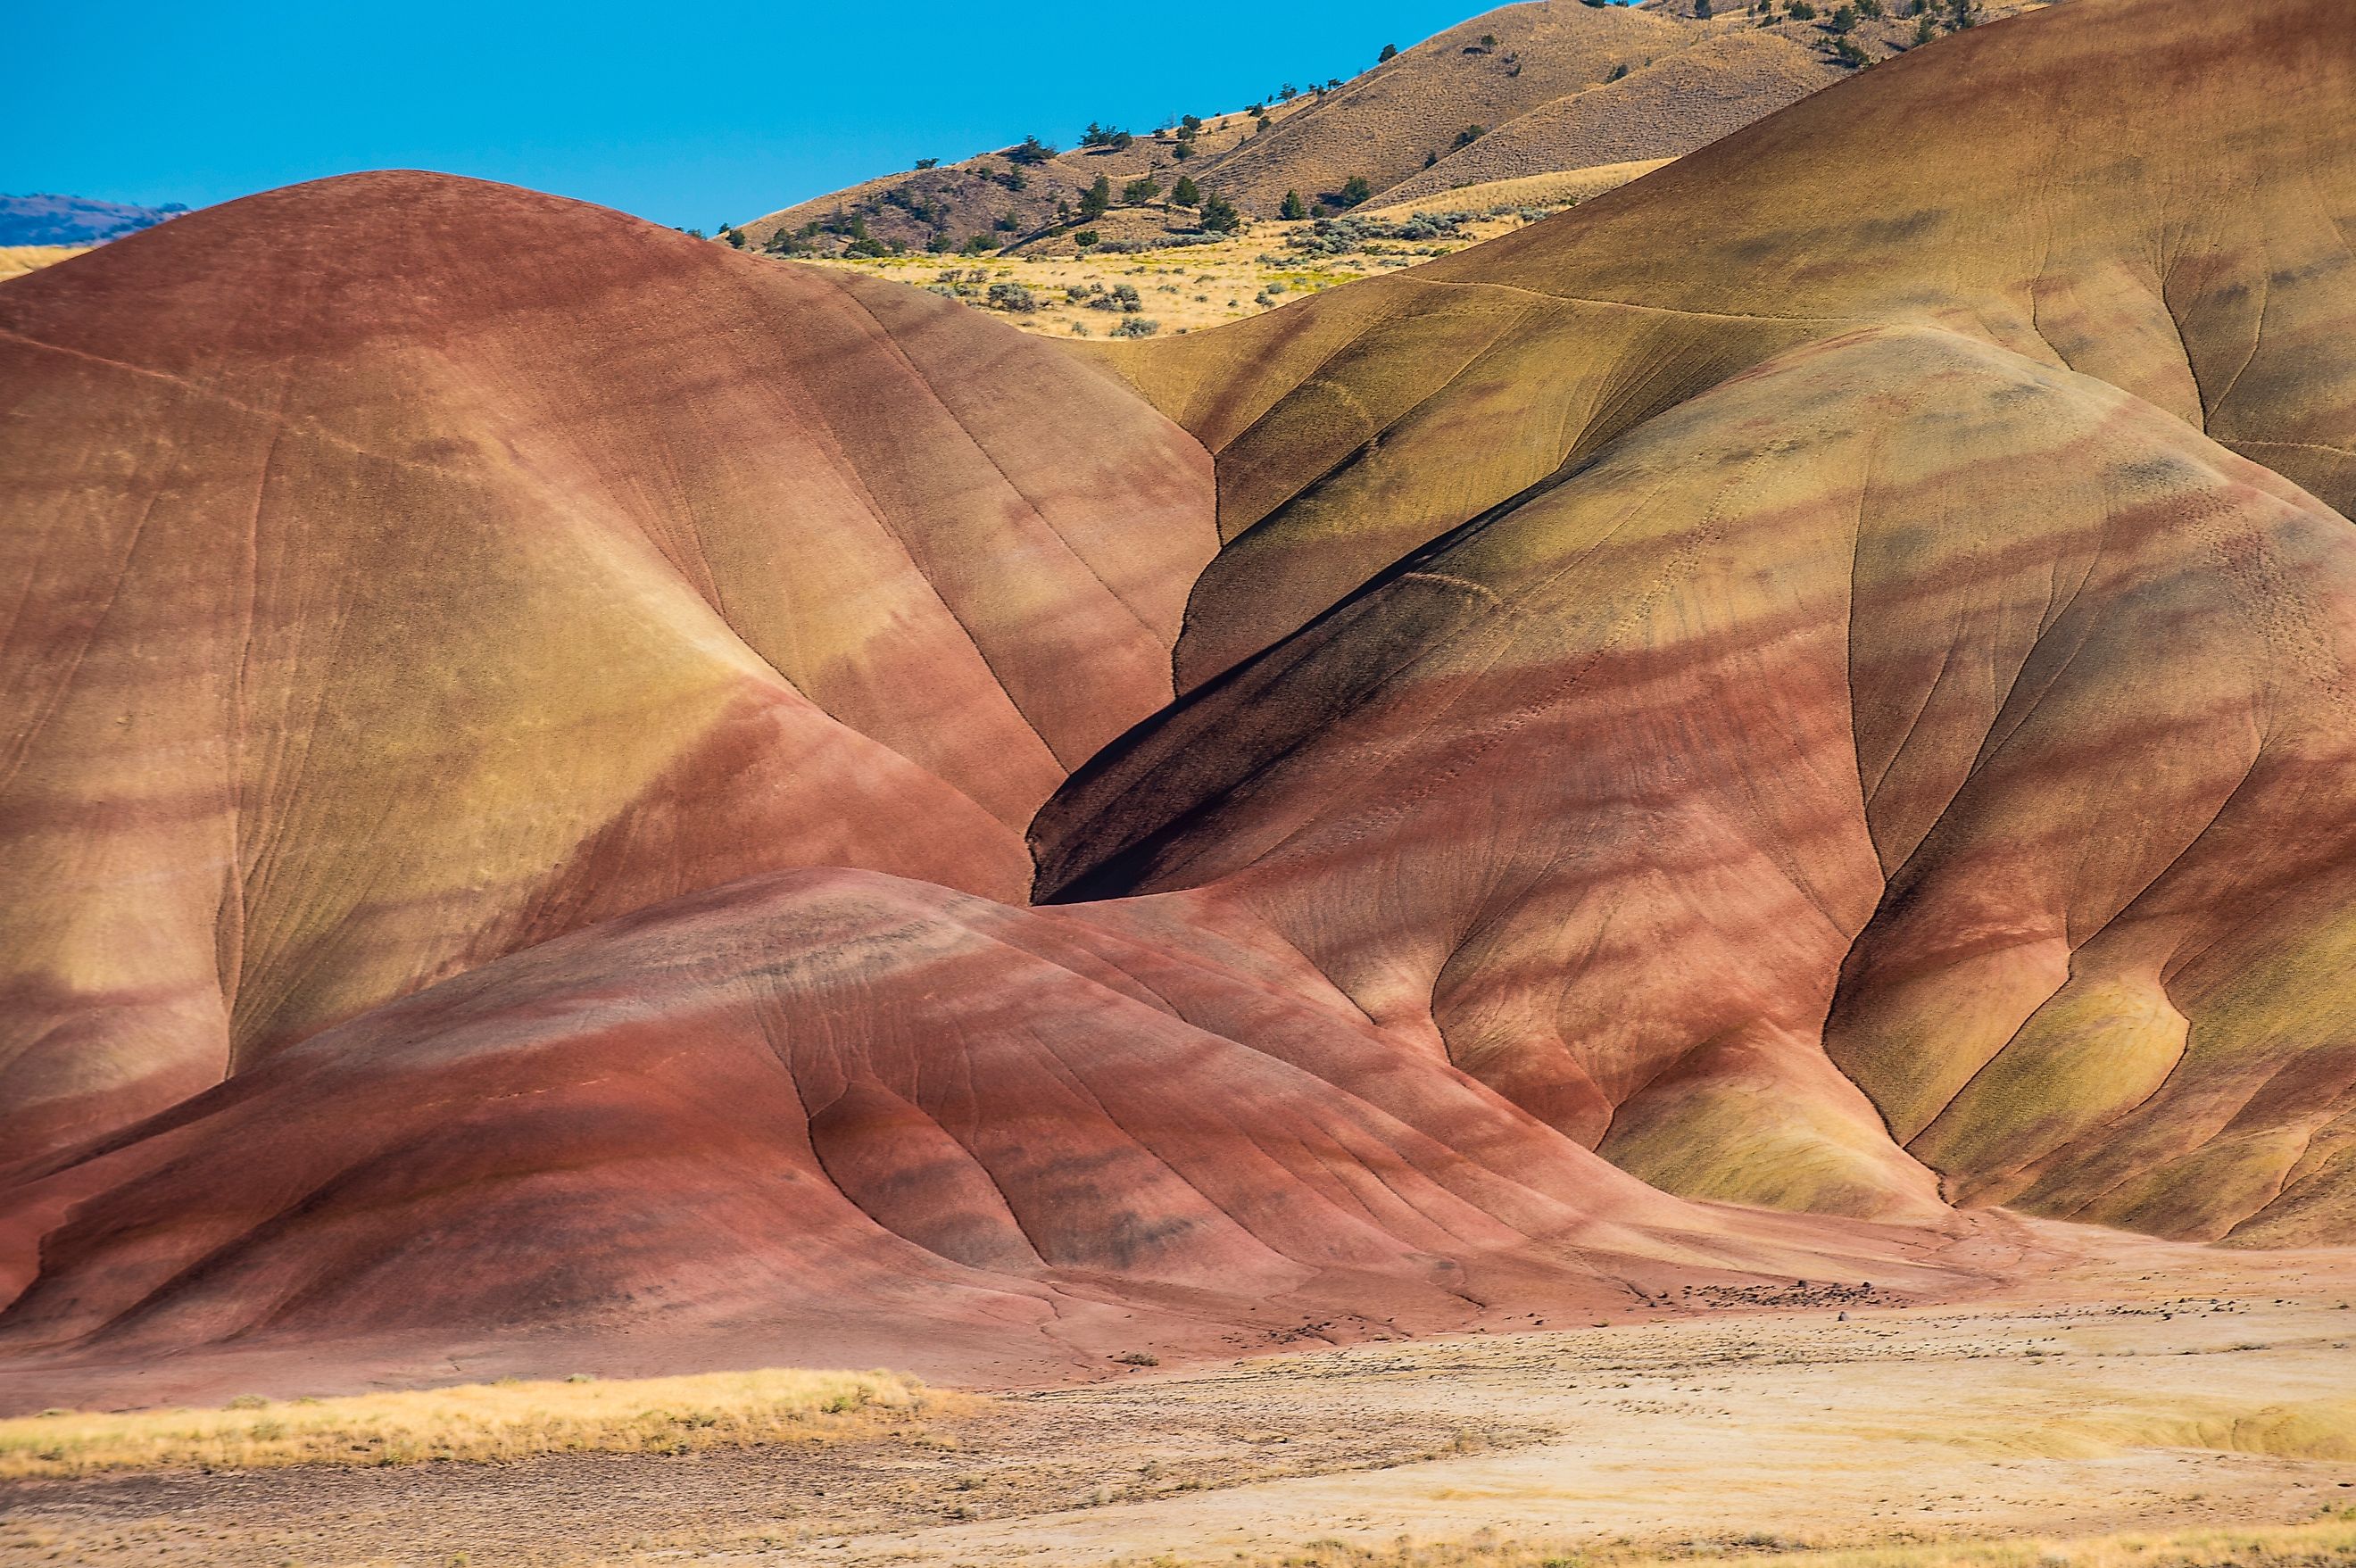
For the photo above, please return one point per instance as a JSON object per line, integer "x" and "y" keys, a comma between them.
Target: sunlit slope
{"x": 1383, "y": 126}
{"x": 408, "y": 569}
{"x": 2156, "y": 193}
{"x": 1665, "y": 107}
{"x": 1990, "y": 709}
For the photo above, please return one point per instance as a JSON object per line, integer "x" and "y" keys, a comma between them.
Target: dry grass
{"x": 1553, "y": 189}
{"x": 18, "y": 259}
{"x": 478, "y": 1422}
{"x": 2329, "y": 1542}
{"x": 1185, "y": 288}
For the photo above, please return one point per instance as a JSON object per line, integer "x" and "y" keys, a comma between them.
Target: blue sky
{"x": 685, "y": 113}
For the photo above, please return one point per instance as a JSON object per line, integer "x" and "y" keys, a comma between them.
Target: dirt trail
{"x": 2109, "y": 1399}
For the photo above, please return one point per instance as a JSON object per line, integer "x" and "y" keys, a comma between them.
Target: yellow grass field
{"x": 1185, "y": 288}
{"x": 18, "y": 259}
{"x": 478, "y": 1422}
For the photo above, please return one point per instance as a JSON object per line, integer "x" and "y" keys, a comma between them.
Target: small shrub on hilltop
{"x": 1031, "y": 150}
{"x": 1390, "y": 53}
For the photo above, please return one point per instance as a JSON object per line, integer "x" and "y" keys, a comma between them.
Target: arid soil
{"x": 2146, "y": 1385}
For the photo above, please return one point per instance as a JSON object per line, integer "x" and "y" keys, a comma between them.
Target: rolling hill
{"x": 458, "y": 541}
{"x": 602, "y": 792}
{"x": 1542, "y": 87}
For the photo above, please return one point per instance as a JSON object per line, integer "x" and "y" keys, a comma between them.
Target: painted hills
{"x": 600, "y": 790}
{"x": 1538, "y": 88}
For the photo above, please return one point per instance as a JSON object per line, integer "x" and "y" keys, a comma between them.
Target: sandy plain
{"x": 2137, "y": 1386}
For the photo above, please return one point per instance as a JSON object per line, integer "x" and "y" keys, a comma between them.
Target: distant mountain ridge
{"x": 45, "y": 218}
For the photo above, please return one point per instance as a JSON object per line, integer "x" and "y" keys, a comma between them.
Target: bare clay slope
{"x": 380, "y": 607}
{"x": 1929, "y": 699}
{"x": 836, "y": 1116}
